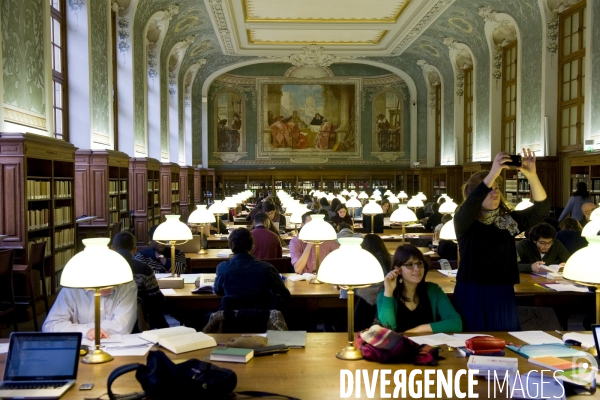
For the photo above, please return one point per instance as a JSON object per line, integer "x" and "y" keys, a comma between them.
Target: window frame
{"x": 59, "y": 77}
{"x": 468, "y": 99}
{"x": 507, "y": 83}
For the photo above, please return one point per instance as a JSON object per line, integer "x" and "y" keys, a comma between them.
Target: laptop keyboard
{"x": 32, "y": 385}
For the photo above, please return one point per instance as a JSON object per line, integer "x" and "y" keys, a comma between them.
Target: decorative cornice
{"x": 451, "y": 43}
{"x": 381, "y": 80}
{"x": 236, "y": 80}
{"x": 312, "y": 57}
{"x": 24, "y": 117}
{"x": 415, "y": 32}
{"x": 488, "y": 14}
{"x": 221, "y": 22}
{"x": 189, "y": 80}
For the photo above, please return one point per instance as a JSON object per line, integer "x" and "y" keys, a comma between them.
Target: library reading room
{"x": 299, "y": 199}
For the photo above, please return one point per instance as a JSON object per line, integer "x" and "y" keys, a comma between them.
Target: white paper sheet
{"x": 190, "y": 278}
{"x": 535, "y": 337}
{"x": 131, "y": 345}
{"x": 437, "y": 339}
{"x": 562, "y": 287}
{"x": 448, "y": 272}
{"x": 3, "y": 348}
{"x": 168, "y": 291}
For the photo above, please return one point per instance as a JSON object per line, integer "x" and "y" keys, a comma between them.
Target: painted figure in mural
{"x": 297, "y": 120}
{"x": 387, "y": 139}
{"x": 237, "y": 122}
{"x": 228, "y": 140}
{"x": 280, "y": 136}
{"x": 317, "y": 120}
{"x": 299, "y": 141}
{"x": 270, "y": 118}
{"x": 322, "y": 139}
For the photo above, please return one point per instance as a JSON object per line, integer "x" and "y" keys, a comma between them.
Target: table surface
{"x": 309, "y": 373}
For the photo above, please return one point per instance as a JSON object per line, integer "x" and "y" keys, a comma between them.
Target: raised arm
{"x": 299, "y": 257}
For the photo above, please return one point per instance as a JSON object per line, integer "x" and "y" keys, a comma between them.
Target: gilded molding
{"x": 221, "y": 22}
{"x": 23, "y": 117}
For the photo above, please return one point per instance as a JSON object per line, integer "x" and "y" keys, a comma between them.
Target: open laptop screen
{"x": 42, "y": 356}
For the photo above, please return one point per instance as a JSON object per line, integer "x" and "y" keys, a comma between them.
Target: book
{"x": 487, "y": 364}
{"x": 231, "y": 354}
{"x": 585, "y": 340}
{"x": 304, "y": 277}
{"x": 552, "y": 362}
{"x": 225, "y": 253}
{"x": 292, "y": 339}
{"x": 205, "y": 284}
{"x": 543, "y": 350}
{"x": 179, "y": 339}
{"x": 553, "y": 268}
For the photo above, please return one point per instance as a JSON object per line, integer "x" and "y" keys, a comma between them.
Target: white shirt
{"x": 73, "y": 311}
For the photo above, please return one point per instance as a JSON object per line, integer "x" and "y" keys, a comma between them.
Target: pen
{"x": 559, "y": 332}
{"x": 540, "y": 286}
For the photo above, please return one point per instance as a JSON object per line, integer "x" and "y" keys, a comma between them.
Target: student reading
{"x": 408, "y": 303}
{"x": 485, "y": 228}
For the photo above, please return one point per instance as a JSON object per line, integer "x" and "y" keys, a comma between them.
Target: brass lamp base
{"x": 97, "y": 357}
{"x": 593, "y": 351}
{"x": 315, "y": 281}
{"x": 203, "y": 251}
{"x": 349, "y": 353}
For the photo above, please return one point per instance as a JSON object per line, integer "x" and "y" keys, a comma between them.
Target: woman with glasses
{"x": 540, "y": 249}
{"x": 408, "y": 303}
{"x": 486, "y": 227}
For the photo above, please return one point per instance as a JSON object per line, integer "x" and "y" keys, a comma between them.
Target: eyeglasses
{"x": 418, "y": 264}
{"x": 545, "y": 243}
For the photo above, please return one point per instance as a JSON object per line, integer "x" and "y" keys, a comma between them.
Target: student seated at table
{"x": 270, "y": 208}
{"x": 158, "y": 256}
{"x": 341, "y": 215}
{"x": 303, "y": 254}
{"x": 541, "y": 248}
{"x": 247, "y": 282}
{"x": 346, "y": 230}
{"x": 148, "y": 291}
{"x": 570, "y": 235}
{"x": 267, "y": 244}
{"x": 73, "y": 311}
{"x": 434, "y": 218}
{"x": 409, "y": 304}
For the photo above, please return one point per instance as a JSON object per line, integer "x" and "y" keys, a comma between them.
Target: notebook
{"x": 40, "y": 365}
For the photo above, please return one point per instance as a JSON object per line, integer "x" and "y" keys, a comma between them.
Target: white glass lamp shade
{"x": 415, "y": 202}
{"x": 448, "y": 207}
{"x": 372, "y": 208}
{"x": 350, "y": 265}
{"x": 421, "y": 196}
{"x": 363, "y": 195}
{"x": 388, "y": 193}
{"x": 353, "y": 202}
{"x": 443, "y": 196}
{"x": 329, "y": 197}
{"x": 172, "y": 230}
{"x": 96, "y": 267}
{"x": 402, "y": 195}
{"x": 218, "y": 208}
{"x": 403, "y": 214}
{"x": 345, "y": 193}
{"x": 591, "y": 228}
{"x": 229, "y": 202}
{"x": 377, "y": 191}
{"x": 581, "y": 266}
{"x": 317, "y": 230}
{"x": 525, "y": 203}
{"x": 341, "y": 198}
{"x": 376, "y": 197}
{"x": 447, "y": 232}
{"x": 393, "y": 199}
{"x": 352, "y": 193}
{"x": 296, "y": 217}
{"x": 201, "y": 216}
{"x": 595, "y": 214}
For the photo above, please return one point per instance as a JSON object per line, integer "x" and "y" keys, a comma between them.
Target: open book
{"x": 225, "y": 253}
{"x": 553, "y": 268}
{"x": 179, "y": 339}
{"x": 304, "y": 277}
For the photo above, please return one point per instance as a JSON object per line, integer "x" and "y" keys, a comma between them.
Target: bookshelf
{"x": 102, "y": 190}
{"x": 585, "y": 168}
{"x": 186, "y": 192}
{"x": 446, "y": 180}
{"x": 516, "y": 186}
{"x": 169, "y": 189}
{"x": 414, "y": 181}
{"x": 208, "y": 185}
{"x": 37, "y": 186}
{"x": 144, "y": 197}
{"x": 197, "y": 186}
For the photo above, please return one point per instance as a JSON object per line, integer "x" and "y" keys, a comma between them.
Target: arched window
{"x": 438, "y": 124}
{"x": 509, "y": 97}
{"x": 229, "y": 122}
{"x": 58, "y": 43}
{"x": 388, "y": 122}
{"x": 468, "y": 114}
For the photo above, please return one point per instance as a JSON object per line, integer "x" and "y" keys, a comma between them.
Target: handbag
{"x": 482, "y": 345}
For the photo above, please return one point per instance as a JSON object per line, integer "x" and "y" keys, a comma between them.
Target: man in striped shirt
{"x": 158, "y": 256}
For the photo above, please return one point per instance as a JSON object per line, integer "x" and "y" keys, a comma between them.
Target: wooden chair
{"x": 37, "y": 258}
{"x": 7, "y": 299}
{"x": 142, "y": 323}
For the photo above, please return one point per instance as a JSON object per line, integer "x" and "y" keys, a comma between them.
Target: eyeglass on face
{"x": 545, "y": 243}
{"x": 417, "y": 264}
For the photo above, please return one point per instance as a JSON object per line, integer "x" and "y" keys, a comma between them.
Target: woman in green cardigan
{"x": 411, "y": 305}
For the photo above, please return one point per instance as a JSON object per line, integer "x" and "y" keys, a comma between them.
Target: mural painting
{"x": 388, "y": 122}
{"x": 229, "y": 122}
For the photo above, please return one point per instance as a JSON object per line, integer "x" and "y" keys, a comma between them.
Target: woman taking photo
{"x": 485, "y": 228}
{"x": 408, "y": 303}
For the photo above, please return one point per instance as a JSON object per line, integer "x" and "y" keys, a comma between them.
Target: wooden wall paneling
{"x": 197, "y": 186}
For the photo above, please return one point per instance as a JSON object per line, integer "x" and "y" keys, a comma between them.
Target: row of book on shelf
{"x": 61, "y": 258}
{"x": 114, "y": 187}
{"x": 64, "y": 238}
{"x": 153, "y": 186}
{"x": 117, "y": 204}
{"x": 174, "y": 185}
{"x": 40, "y": 189}
{"x": 37, "y": 219}
{"x": 48, "y": 250}
{"x": 174, "y": 197}
{"x": 62, "y": 215}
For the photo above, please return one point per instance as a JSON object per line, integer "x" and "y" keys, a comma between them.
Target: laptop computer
{"x": 40, "y": 365}
{"x": 191, "y": 246}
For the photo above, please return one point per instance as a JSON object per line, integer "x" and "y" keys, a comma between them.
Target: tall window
{"x": 468, "y": 137}
{"x": 509, "y": 97}
{"x": 438, "y": 124}
{"x": 571, "y": 74}
{"x": 59, "y": 68}
{"x": 115, "y": 96}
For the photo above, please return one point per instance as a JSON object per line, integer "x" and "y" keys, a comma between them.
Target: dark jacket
{"x": 572, "y": 240}
{"x": 434, "y": 220}
{"x": 245, "y": 277}
{"x": 529, "y": 253}
{"x": 488, "y": 254}
{"x": 148, "y": 257}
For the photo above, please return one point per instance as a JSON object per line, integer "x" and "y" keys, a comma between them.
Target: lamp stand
{"x": 372, "y": 223}
{"x": 350, "y": 352}
{"x": 218, "y": 234}
{"x": 403, "y": 232}
{"x": 318, "y": 262}
{"x": 172, "y": 282}
{"x": 202, "y": 249}
{"x": 353, "y": 225}
{"x": 98, "y": 356}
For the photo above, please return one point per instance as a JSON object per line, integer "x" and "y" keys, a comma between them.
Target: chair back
{"x": 243, "y": 321}
{"x": 142, "y": 323}
{"x": 37, "y": 257}
{"x": 6, "y": 277}
{"x": 538, "y": 319}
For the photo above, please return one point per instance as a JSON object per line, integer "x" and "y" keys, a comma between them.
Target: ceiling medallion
{"x": 312, "y": 63}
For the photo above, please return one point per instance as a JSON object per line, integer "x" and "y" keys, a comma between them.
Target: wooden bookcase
{"x": 144, "y": 197}
{"x": 413, "y": 181}
{"x": 585, "y": 168}
{"x": 36, "y": 201}
{"x": 169, "y": 189}
{"x": 102, "y": 190}
{"x": 469, "y": 169}
{"x": 197, "y": 186}
{"x": 446, "y": 180}
{"x": 186, "y": 192}
{"x": 208, "y": 185}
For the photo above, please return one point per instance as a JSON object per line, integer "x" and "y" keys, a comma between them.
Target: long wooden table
{"x": 309, "y": 373}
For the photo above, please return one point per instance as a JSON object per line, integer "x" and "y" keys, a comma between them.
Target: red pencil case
{"x": 485, "y": 345}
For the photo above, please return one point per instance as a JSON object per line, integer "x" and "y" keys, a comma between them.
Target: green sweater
{"x": 529, "y": 253}
{"x": 445, "y": 317}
